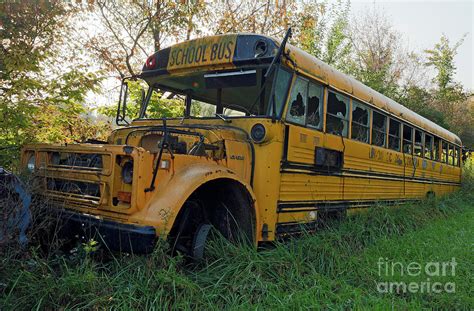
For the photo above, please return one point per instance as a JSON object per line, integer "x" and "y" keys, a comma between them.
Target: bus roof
{"x": 234, "y": 50}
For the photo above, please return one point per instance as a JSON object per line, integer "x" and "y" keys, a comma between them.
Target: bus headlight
{"x": 31, "y": 163}
{"x": 127, "y": 172}
{"x": 258, "y": 132}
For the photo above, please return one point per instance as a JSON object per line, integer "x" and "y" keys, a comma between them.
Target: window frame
{"x": 394, "y": 136}
{"x": 456, "y": 156}
{"x": 436, "y": 148}
{"x": 358, "y": 103}
{"x": 420, "y": 144}
{"x": 321, "y": 106}
{"x": 289, "y": 98}
{"x": 412, "y": 133}
{"x": 430, "y": 153}
{"x": 451, "y": 154}
{"x": 280, "y": 111}
{"x": 372, "y": 129}
{"x": 444, "y": 151}
{"x": 326, "y": 114}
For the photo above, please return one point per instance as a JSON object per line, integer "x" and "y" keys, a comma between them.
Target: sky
{"x": 422, "y": 23}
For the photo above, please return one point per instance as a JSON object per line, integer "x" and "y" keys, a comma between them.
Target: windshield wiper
{"x": 222, "y": 117}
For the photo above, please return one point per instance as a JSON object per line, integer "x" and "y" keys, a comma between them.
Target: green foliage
{"x": 335, "y": 268}
{"x": 158, "y": 107}
{"x": 41, "y": 96}
{"x": 450, "y": 98}
{"x": 442, "y": 58}
{"x": 419, "y": 100}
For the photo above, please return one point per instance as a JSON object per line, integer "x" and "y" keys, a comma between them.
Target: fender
{"x": 167, "y": 201}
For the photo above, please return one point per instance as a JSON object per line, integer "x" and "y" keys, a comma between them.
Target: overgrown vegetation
{"x": 335, "y": 268}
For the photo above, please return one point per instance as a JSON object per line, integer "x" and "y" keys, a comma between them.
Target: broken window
{"x": 428, "y": 146}
{"x": 444, "y": 153}
{"x": 337, "y": 114}
{"x": 394, "y": 135}
{"x": 379, "y": 129}
{"x": 315, "y": 105}
{"x": 297, "y": 109}
{"x": 418, "y": 149}
{"x": 407, "y": 139}
{"x": 436, "y": 149}
{"x": 360, "y": 122}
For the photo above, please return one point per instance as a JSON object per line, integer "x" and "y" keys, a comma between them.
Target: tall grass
{"x": 334, "y": 268}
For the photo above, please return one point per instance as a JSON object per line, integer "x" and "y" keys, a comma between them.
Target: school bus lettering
{"x": 202, "y": 52}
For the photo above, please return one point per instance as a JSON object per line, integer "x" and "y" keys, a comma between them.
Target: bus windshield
{"x": 243, "y": 92}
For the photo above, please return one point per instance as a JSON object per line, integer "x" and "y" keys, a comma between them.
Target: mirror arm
{"x": 145, "y": 102}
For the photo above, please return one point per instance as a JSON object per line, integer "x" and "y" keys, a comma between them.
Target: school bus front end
{"x": 163, "y": 181}
{"x": 174, "y": 178}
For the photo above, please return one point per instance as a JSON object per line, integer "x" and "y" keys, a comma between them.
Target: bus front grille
{"x": 89, "y": 191}
{"x": 76, "y": 161}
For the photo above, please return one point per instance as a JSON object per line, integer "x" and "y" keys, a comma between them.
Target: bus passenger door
{"x": 298, "y": 188}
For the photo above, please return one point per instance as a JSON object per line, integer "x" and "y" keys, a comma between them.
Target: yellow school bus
{"x": 271, "y": 140}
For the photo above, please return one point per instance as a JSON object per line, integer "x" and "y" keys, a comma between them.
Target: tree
{"x": 450, "y": 97}
{"x": 133, "y": 30}
{"x": 327, "y": 37}
{"x": 41, "y": 95}
{"x": 441, "y": 57}
{"x": 378, "y": 58}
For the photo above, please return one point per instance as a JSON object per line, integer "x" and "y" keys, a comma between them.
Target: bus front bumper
{"x": 112, "y": 235}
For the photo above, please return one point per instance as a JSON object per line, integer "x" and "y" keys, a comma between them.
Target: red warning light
{"x": 151, "y": 62}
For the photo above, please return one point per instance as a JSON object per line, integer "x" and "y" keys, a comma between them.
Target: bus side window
{"x": 297, "y": 109}
{"x": 337, "y": 114}
{"x": 379, "y": 129}
{"x": 281, "y": 90}
{"x": 444, "y": 153}
{"x": 428, "y": 146}
{"x": 394, "y": 135}
{"x": 407, "y": 139}
{"x": 360, "y": 122}
{"x": 315, "y": 105}
{"x": 418, "y": 151}
{"x": 451, "y": 155}
{"x": 436, "y": 149}
{"x": 456, "y": 156}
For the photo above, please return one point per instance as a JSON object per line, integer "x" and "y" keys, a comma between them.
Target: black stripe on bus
{"x": 327, "y": 206}
{"x": 289, "y": 228}
{"x": 287, "y": 166}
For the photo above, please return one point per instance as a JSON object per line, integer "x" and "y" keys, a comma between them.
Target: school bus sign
{"x": 202, "y": 52}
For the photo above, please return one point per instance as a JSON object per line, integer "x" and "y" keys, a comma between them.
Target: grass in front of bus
{"x": 414, "y": 256}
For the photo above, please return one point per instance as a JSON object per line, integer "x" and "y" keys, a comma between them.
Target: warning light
{"x": 150, "y": 62}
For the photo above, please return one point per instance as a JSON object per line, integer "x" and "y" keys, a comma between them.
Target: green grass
{"x": 333, "y": 269}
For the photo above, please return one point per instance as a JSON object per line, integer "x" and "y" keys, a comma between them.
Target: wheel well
{"x": 224, "y": 203}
